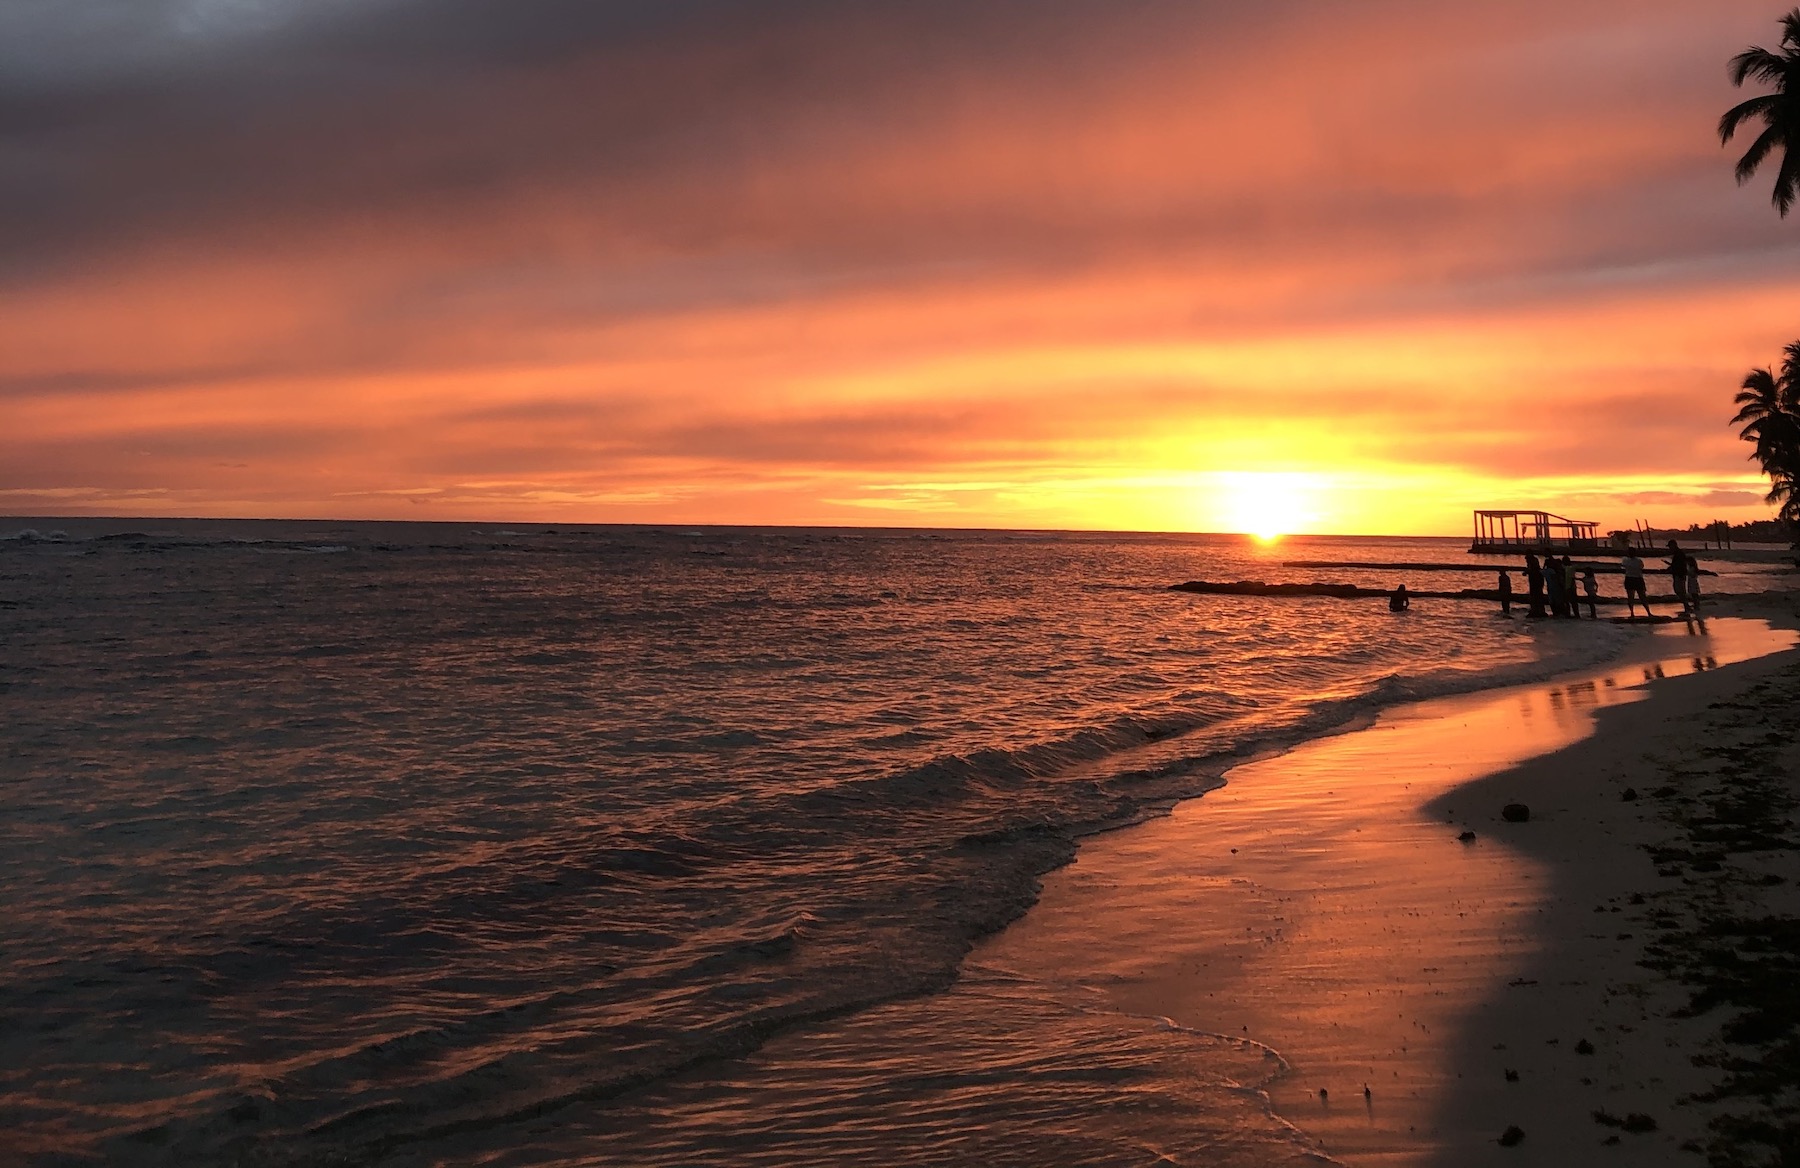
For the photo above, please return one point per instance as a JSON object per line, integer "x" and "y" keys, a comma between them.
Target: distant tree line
{"x": 1752, "y": 531}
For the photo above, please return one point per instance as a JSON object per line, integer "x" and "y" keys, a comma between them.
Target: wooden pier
{"x": 1513, "y": 533}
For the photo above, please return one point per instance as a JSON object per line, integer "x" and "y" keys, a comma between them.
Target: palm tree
{"x": 1761, "y": 414}
{"x": 1769, "y": 412}
{"x": 1779, "y": 111}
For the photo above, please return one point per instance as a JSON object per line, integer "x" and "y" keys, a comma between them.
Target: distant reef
{"x": 1320, "y": 588}
{"x": 1356, "y": 592}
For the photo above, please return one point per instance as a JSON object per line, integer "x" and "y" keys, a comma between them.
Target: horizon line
{"x": 1250, "y": 536}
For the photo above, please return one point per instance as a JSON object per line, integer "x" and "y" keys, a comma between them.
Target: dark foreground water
{"x": 426, "y": 844}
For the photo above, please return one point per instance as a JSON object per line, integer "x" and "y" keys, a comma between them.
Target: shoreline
{"x": 1355, "y": 934}
{"x": 1604, "y": 978}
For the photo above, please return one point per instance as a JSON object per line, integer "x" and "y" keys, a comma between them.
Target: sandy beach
{"x": 1432, "y": 991}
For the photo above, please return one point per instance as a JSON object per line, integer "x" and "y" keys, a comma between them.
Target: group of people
{"x": 1553, "y": 584}
{"x": 1556, "y": 581}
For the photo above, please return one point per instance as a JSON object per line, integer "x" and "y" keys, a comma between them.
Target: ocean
{"x": 415, "y": 844}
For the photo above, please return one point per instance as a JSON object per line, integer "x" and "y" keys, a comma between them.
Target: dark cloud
{"x": 701, "y": 124}
{"x": 1714, "y": 498}
{"x": 182, "y": 457}
{"x": 690, "y": 231}
{"x": 409, "y": 106}
{"x": 125, "y": 382}
{"x": 884, "y": 439}
{"x": 598, "y": 161}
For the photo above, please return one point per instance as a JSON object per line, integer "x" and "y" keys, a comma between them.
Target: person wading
{"x": 1634, "y": 586}
{"x": 1534, "y": 585}
{"x": 1678, "y": 574}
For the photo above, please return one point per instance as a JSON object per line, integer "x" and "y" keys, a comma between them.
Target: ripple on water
{"x": 521, "y": 836}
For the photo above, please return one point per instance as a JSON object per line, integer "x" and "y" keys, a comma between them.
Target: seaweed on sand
{"x": 1736, "y": 954}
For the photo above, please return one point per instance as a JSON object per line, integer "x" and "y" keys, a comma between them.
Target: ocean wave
{"x": 33, "y": 535}
{"x": 524, "y": 834}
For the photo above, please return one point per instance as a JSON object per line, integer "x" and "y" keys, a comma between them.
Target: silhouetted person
{"x": 1634, "y": 585}
{"x": 1399, "y": 601}
{"x": 1678, "y": 573}
{"x": 1591, "y": 586}
{"x": 1505, "y": 593}
{"x": 1534, "y": 585}
{"x": 1571, "y": 598}
{"x": 1693, "y": 583}
{"x": 1553, "y": 584}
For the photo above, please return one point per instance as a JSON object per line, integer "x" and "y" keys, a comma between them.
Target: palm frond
{"x": 1790, "y": 28}
{"x": 1779, "y": 455}
{"x": 1765, "y": 430}
{"x": 1787, "y": 179}
{"x": 1759, "y": 63}
{"x": 1790, "y": 510}
{"x": 1759, "y": 150}
{"x": 1761, "y": 106}
{"x": 1757, "y": 400}
{"x": 1787, "y": 386}
{"x": 1758, "y": 385}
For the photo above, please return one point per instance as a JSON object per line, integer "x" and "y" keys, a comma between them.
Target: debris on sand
{"x": 1636, "y": 1121}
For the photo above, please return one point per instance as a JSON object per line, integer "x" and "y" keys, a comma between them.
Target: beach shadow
{"x": 1579, "y": 1047}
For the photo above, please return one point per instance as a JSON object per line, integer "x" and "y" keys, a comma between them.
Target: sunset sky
{"x": 1137, "y": 264}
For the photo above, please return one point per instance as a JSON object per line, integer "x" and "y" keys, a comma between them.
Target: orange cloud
{"x": 1039, "y": 265}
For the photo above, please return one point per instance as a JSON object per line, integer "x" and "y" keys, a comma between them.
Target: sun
{"x": 1264, "y": 504}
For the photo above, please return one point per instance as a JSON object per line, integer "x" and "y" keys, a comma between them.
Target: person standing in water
{"x": 1534, "y": 585}
{"x": 1505, "y": 593}
{"x": 1399, "y": 601}
{"x": 1634, "y": 585}
{"x": 1678, "y": 573}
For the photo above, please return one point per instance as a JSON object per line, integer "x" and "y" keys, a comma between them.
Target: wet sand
{"x": 1322, "y": 903}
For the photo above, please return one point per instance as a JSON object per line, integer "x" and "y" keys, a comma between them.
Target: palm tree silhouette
{"x": 1779, "y": 111}
{"x": 1761, "y": 414}
{"x": 1769, "y": 412}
